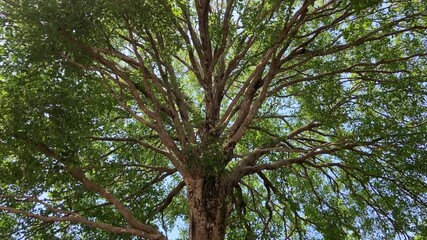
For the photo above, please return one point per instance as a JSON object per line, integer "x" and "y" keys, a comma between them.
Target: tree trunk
{"x": 208, "y": 207}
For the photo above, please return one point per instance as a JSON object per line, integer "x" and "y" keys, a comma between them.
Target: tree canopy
{"x": 237, "y": 119}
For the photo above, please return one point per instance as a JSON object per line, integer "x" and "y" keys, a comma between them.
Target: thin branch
{"x": 168, "y": 200}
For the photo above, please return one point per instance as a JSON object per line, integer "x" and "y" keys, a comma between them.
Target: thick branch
{"x": 75, "y": 218}
{"x": 78, "y": 175}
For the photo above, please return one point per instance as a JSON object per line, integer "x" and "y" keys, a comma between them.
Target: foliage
{"x": 313, "y": 114}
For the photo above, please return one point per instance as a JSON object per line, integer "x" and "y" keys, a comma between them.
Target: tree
{"x": 247, "y": 119}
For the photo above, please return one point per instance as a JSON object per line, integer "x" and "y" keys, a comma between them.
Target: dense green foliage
{"x": 330, "y": 98}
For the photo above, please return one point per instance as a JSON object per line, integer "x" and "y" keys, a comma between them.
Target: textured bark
{"x": 208, "y": 208}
